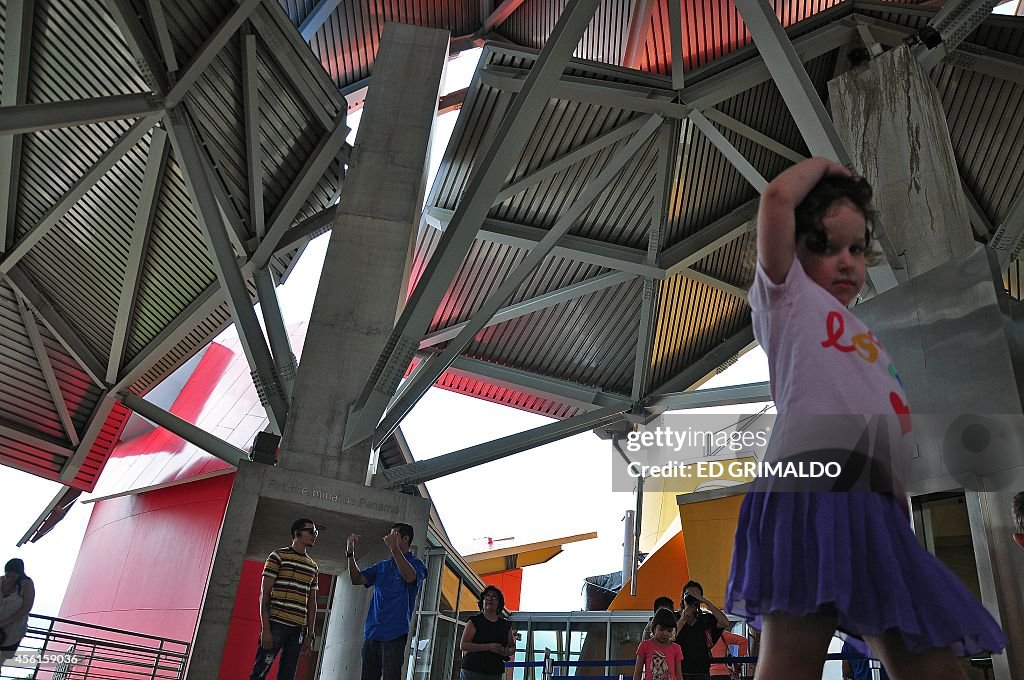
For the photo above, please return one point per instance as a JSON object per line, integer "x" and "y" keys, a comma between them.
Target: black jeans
{"x": 287, "y": 640}
{"x": 383, "y": 660}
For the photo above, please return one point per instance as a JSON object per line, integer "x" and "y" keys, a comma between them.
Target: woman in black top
{"x": 488, "y": 639}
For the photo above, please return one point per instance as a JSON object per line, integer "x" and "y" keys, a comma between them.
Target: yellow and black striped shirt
{"x": 294, "y": 573}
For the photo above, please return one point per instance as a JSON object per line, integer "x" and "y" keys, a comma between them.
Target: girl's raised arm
{"x": 776, "y": 224}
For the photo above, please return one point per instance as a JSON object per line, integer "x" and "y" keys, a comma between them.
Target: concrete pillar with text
{"x": 361, "y": 292}
{"x": 363, "y": 288}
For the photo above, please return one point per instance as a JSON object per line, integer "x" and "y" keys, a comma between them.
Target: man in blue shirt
{"x": 395, "y": 582}
{"x": 858, "y": 668}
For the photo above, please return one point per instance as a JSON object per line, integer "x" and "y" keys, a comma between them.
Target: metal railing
{"x": 59, "y": 649}
{"x": 550, "y": 668}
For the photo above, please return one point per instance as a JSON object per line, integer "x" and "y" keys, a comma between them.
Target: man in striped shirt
{"x": 287, "y": 604}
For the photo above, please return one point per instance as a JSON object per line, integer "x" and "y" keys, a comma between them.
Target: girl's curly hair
{"x": 820, "y": 200}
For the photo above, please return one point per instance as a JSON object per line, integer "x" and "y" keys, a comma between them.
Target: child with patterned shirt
{"x": 659, "y": 658}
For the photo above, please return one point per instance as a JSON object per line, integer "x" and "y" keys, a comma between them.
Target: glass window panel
{"x": 625, "y": 638}
{"x": 429, "y": 599}
{"x": 457, "y": 657}
{"x": 449, "y": 591}
{"x": 547, "y": 635}
{"x": 468, "y": 602}
{"x": 423, "y": 651}
{"x": 587, "y": 641}
{"x": 444, "y": 647}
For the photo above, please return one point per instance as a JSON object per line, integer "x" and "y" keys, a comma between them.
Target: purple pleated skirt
{"x": 855, "y": 557}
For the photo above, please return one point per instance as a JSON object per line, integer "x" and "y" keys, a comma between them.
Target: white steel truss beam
{"x": 707, "y": 364}
{"x": 577, "y": 248}
{"x": 425, "y": 470}
{"x": 592, "y": 91}
{"x": 636, "y": 32}
{"x": 979, "y": 220}
{"x": 707, "y": 92}
{"x": 499, "y": 15}
{"x": 16, "y": 120}
{"x": 299, "y": 64}
{"x": 955, "y": 21}
{"x": 535, "y": 304}
{"x": 163, "y": 36}
{"x": 46, "y": 366}
{"x": 42, "y": 442}
{"x": 967, "y": 56}
{"x": 152, "y": 180}
{"x": 1007, "y": 240}
{"x": 512, "y": 282}
{"x": 209, "y": 50}
{"x": 79, "y": 189}
{"x": 135, "y": 36}
{"x": 731, "y": 153}
{"x": 14, "y": 88}
{"x": 277, "y": 334}
{"x": 678, "y": 258}
{"x": 792, "y": 80}
{"x": 229, "y": 272}
{"x": 753, "y": 135}
{"x": 254, "y": 153}
{"x": 580, "y": 249}
{"x": 486, "y": 181}
{"x": 571, "y": 158}
{"x": 655, "y": 237}
{"x": 194, "y": 435}
{"x": 732, "y": 395}
{"x": 298, "y": 192}
{"x": 92, "y": 431}
{"x": 543, "y": 387}
{"x": 38, "y": 302}
{"x": 675, "y": 32}
{"x": 316, "y": 18}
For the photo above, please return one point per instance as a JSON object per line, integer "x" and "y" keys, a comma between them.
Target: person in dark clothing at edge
{"x": 697, "y": 631}
{"x": 488, "y": 639}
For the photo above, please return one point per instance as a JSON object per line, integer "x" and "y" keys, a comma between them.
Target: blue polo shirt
{"x": 860, "y": 666}
{"x": 394, "y": 600}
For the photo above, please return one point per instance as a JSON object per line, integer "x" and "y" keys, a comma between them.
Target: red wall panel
{"x": 143, "y": 567}
{"x": 145, "y": 559}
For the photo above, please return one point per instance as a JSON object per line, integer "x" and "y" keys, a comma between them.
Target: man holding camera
{"x": 697, "y": 631}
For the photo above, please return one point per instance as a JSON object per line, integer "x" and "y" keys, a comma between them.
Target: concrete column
{"x": 366, "y": 271}
{"x": 363, "y": 288}
{"x": 344, "y": 639}
{"x": 222, "y": 586}
{"x": 891, "y": 120}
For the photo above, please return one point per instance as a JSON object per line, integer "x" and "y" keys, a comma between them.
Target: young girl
{"x": 659, "y": 658}
{"x": 807, "y": 563}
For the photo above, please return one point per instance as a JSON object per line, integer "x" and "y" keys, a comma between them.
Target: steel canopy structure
{"x": 162, "y": 166}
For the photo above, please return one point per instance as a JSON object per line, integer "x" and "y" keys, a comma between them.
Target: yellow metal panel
{"x": 709, "y": 527}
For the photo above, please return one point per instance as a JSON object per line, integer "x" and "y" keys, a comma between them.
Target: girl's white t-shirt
{"x": 832, "y": 381}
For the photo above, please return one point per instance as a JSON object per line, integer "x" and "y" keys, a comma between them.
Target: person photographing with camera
{"x": 697, "y": 631}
